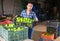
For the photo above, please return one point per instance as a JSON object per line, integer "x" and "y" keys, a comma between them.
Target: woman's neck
{"x": 28, "y": 12}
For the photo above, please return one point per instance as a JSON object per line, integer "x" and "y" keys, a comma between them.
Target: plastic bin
{"x": 44, "y": 39}
{"x": 52, "y": 23}
{"x": 47, "y": 38}
{"x": 51, "y": 30}
{"x": 14, "y": 35}
{"x": 3, "y": 33}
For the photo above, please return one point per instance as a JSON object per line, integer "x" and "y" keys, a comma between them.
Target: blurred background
{"x": 44, "y": 9}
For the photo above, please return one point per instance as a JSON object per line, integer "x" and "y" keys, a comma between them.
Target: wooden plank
{"x": 8, "y": 6}
{"x": 0, "y": 7}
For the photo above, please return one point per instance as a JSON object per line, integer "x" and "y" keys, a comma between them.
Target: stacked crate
{"x": 46, "y": 37}
{"x": 14, "y": 35}
{"x": 52, "y": 27}
{"x": 25, "y": 33}
{"x": 3, "y": 33}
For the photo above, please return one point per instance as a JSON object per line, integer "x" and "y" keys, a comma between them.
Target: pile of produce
{"x": 48, "y": 34}
{"x": 12, "y": 27}
{"x": 24, "y": 20}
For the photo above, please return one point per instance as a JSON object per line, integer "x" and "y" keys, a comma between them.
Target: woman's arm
{"x": 35, "y": 17}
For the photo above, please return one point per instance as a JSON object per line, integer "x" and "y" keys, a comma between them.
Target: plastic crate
{"x": 25, "y": 34}
{"x": 54, "y": 24}
{"x": 14, "y": 35}
{"x": 51, "y": 30}
{"x": 47, "y": 38}
{"x": 3, "y": 33}
{"x": 44, "y": 39}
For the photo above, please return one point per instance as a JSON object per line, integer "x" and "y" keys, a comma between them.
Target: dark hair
{"x": 29, "y": 3}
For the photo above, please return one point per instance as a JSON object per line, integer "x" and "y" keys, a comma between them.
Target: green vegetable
{"x": 25, "y": 20}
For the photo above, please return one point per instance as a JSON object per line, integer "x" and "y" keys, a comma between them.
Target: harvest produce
{"x": 0, "y": 25}
{"x": 24, "y": 20}
{"x": 9, "y": 25}
{"x": 47, "y": 34}
{"x": 13, "y": 28}
{"x": 29, "y": 24}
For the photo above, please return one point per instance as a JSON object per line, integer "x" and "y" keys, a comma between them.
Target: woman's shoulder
{"x": 33, "y": 12}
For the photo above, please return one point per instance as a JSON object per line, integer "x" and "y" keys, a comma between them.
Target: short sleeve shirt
{"x": 32, "y": 15}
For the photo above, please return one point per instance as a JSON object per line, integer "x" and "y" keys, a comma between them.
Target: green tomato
{"x": 26, "y": 19}
{"x": 18, "y": 18}
{"x": 30, "y": 21}
{"x": 18, "y": 29}
{"x": 22, "y": 28}
{"x": 11, "y": 25}
{"x": 9, "y": 29}
{"x": 14, "y": 29}
{"x": 6, "y": 25}
{"x": 29, "y": 25}
{"x": 23, "y": 18}
{"x": 1, "y": 26}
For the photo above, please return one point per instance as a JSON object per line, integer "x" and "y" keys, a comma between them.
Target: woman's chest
{"x": 27, "y": 16}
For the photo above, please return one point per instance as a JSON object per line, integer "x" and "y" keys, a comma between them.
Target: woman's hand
{"x": 36, "y": 19}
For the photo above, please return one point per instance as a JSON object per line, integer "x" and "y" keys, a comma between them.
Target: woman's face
{"x": 29, "y": 6}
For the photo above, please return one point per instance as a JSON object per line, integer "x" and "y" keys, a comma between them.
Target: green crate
{"x": 14, "y": 35}
{"x": 4, "y": 33}
{"x": 25, "y": 34}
